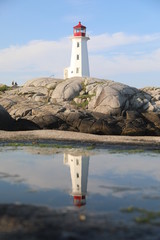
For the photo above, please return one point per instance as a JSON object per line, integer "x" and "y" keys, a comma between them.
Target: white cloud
{"x": 125, "y": 64}
{"x": 51, "y": 57}
{"x": 36, "y": 55}
{"x": 107, "y": 41}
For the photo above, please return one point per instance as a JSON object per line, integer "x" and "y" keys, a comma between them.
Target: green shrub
{"x": 80, "y": 105}
{"x": 4, "y": 88}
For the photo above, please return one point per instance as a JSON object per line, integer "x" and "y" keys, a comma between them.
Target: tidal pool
{"x": 99, "y": 180}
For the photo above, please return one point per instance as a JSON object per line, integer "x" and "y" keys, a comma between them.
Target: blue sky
{"x": 124, "y": 39}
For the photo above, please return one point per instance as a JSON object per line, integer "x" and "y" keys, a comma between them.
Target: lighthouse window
{"x": 77, "y": 70}
{"x": 77, "y": 44}
{"x": 77, "y": 57}
{"x": 77, "y": 175}
{"x": 77, "y": 162}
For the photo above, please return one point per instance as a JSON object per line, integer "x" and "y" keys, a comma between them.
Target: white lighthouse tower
{"x": 79, "y": 175}
{"x": 79, "y": 66}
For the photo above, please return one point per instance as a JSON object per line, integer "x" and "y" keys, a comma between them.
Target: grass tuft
{"x": 91, "y": 147}
{"x": 35, "y": 144}
{"x": 4, "y": 88}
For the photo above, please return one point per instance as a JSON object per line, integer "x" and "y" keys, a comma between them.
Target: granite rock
{"x": 85, "y": 104}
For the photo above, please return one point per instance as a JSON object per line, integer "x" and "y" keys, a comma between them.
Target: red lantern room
{"x": 79, "y": 201}
{"x": 79, "y": 30}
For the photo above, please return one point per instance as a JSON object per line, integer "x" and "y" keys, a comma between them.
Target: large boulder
{"x": 67, "y": 90}
{"x": 98, "y": 95}
{"x": 134, "y": 124}
{"x": 83, "y": 104}
{"x": 111, "y": 97}
{"x": 9, "y": 124}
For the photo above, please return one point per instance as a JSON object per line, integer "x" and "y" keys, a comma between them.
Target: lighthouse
{"x": 79, "y": 175}
{"x": 79, "y": 65}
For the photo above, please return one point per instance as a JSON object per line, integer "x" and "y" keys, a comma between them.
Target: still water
{"x": 102, "y": 180}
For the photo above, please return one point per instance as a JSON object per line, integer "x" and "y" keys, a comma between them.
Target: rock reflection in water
{"x": 79, "y": 176}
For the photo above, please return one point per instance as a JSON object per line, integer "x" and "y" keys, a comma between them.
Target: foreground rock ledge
{"x": 79, "y": 104}
{"x": 75, "y": 137}
{"x": 30, "y": 222}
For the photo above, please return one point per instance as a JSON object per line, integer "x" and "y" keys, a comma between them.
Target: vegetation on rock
{"x": 144, "y": 216}
{"x": 4, "y": 88}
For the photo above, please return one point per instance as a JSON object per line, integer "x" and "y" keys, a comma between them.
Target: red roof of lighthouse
{"x": 79, "y": 201}
{"x": 79, "y": 30}
{"x": 79, "y": 26}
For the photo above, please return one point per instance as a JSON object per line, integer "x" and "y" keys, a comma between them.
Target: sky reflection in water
{"x": 101, "y": 180}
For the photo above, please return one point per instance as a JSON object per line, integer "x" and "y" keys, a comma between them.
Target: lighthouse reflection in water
{"x": 79, "y": 176}
{"x": 116, "y": 178}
